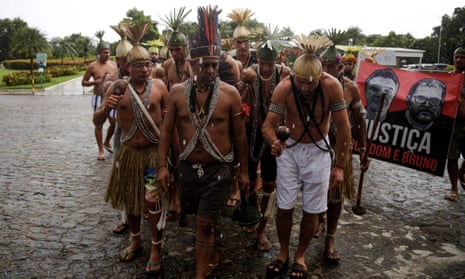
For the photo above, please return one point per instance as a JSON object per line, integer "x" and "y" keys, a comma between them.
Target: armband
{"x": 277, "y": 109}
{"x": 237, "y": 114}
{"x": 356, "y": 105}
{"x": 338, "y": 106}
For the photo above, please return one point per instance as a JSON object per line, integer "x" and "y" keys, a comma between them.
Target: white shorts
{"x": 97, "y": 101}
{"x": 304, "y": 168}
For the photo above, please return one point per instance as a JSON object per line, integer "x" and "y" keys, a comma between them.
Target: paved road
{"x": 54, "y": 222}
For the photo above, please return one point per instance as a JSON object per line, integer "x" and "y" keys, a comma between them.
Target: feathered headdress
{"x": 370, "y": 54}
{"x": 349, "y": 56}
{"x": 124, "y": 46}
{"x": 175, "y": 20}
{"x": 307, "y": 65}
{"x": 240, "y": 16}
{"x": 136, "y": 32}
{"x": 154, "y": 45}
{"x": 207, "y": 41}
{"x": 272, "y": 42}
{"x": 331, "y": 55}
{"x": 313, "y": 44}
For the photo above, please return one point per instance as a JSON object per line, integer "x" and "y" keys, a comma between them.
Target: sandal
{"x": 150, "y": 265}
{"x": 331, "y": 256}
{"x": 120, "y": 228}
{"x": 232, "y": 202}
{"x": 129, "y": 255}
{"x": 298, "y": 271}
{"x": 276, "y": 269}
{"x": 108, "y": 148}
{"x": 451, "y": 196}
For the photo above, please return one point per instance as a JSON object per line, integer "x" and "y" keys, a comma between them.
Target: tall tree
{"x": 136, "y": 16}
{"x": 7, "y": 28}
{"x": 27, "y": 42}
{"x": 63, "y": 48}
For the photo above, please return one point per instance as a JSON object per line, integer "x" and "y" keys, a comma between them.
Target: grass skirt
{"x": 126, "y": 189}
{"x": 347, "y": 188}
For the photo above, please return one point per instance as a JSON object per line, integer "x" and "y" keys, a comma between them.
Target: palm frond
{"x": 313, "y": 44}
{"x": 240, "y": 15}
{"x": 174, "y": 20}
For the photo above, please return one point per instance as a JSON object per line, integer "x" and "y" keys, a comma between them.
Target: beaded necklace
{"x": 260, "y": 106}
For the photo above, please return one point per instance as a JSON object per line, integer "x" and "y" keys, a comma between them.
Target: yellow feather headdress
{"x": 136, "y": 32}
{"x": 240, "y": 16}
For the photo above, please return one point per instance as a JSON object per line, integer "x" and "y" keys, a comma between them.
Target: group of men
{"x": 195, "y": 135}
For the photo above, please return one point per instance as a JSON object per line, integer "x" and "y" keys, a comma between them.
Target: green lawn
{"x": 54, "y": 81}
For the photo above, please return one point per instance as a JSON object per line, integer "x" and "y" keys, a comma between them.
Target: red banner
{"x": 417, "y": 118}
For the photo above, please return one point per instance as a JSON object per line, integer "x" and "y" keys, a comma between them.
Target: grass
{"x": 54, "y": 81}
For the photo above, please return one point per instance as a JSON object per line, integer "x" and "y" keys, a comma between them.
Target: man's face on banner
{"x": 375, "y": 88}
{"x": 426, "y": 101}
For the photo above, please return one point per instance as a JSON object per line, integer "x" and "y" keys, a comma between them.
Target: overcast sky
{"x": 60, "y": 18}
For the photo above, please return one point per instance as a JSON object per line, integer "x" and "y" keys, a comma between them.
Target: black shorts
{"x": 204, "y": 189}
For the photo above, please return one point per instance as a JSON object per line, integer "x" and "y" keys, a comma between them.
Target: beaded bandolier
{"x": 139, "y": 116}
{"x": 200, "y": 120}
{"x": 306, "y": 110}
{"x": 260, "y": 104}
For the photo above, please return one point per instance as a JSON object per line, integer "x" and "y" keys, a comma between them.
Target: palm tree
{"x": 99, "y": 35}
{"x": 27, "y": 42}
{"x": 64, "y": 48}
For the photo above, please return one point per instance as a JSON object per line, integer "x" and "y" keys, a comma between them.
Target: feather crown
{"x": 174, "y": 20}
{"x": 207, "y": 41}
{"x": 136, "y": 32}
{"x": 124, "y": 46}
{"x": 240, "y": 16}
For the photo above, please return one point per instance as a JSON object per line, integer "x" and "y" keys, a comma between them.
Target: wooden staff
{"x": 358, "y": 208}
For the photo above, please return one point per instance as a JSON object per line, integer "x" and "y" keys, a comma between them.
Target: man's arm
{"x": 273, "y": 118}
{"x": 240, "y": 137}
{"x": 166, "y": 133}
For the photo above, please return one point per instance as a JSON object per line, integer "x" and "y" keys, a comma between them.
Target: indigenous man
{"x": 308, "y": 100}
{"x": 262, "y": 79}
{"x": 122, "y": 50}
{"x": 457, "y": 144}
{"x": 132, "y": 184}
{"x": 332, "y": 64}
{"x": 177, "y": 70}
{"x": 245, "y": 58}
{"x": 207, "y": 114}
{"x": 349, "y": 65}
{"x": 100, "y": 71}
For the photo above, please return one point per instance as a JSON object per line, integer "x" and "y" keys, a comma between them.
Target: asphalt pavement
{"x": 54, "y": 222}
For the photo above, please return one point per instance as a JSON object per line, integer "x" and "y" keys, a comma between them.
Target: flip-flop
{"x": 232, "y": 202}
{"x": 120, "y": 228}
{"x": 130, "y": 255}
{"x": 299, "y": 270}
{"x": 331, "y": 256}
{"x": 101, "y": 157}
{"x": 276, "y": 268}
{"x": 153, "y": 272}
{"x": 108, "y": 148}
{"x": 451, "y": 196}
